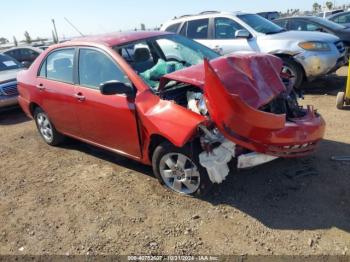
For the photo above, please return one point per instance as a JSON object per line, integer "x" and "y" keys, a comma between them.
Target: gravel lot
{"x": 78, "y": 199}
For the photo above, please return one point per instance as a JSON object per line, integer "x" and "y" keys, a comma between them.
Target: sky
{"x": 102, "y": 16}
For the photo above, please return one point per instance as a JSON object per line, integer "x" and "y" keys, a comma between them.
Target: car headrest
{"x": 62, "y": 63}
{"x": 142, "y": 54}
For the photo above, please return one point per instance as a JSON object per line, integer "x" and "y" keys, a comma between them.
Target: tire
{"x": 169, "y": 165}
{"x": 295, "y": 70}
{"x": 340, "y": 100}
{"x": 46, "y": 129}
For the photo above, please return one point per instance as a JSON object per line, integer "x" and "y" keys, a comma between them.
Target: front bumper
{"x": 317, "y": 64}
{"x": 6, "y": 101}
{"x": 298, "y": 137}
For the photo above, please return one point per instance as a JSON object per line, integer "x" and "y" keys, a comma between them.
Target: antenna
{"x": 76, "y": 29}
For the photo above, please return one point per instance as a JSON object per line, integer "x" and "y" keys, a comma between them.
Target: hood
{"x": 8, "y": 75}
{"x": 302, "y": 36}
{"x": 254, "y": 78}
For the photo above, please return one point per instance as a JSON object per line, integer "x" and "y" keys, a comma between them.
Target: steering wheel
{"x": 174, "y": 59}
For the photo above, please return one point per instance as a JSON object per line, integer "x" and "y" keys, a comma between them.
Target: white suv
{"x": 306, "y": 55}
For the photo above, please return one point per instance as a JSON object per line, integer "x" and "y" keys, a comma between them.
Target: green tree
{"x": 3, "y": 40}
{"x": 15, "y": 42}
{"x": 329, "y": 5}
{"x": 27, "y": 37}
{"x": 316, "y": 7}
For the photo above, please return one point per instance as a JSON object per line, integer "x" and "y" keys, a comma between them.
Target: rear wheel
{"x": 179, "y": 169}
{"x": 46, "y": 129}
{"x": 294, "y": 70}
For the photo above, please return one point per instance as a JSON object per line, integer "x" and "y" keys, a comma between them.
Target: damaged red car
{"x": 169, "y": 102}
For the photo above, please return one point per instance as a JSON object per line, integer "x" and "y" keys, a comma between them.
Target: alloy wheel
{"x": 179, "y": 173}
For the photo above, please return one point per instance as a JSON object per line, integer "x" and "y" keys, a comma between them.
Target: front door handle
{"x": 218, "y": 49}
{"x": 40, "y": 87}
{"x": 79, "y": 96}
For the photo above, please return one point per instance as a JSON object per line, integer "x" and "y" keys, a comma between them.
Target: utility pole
{"x": 55, "y": 30}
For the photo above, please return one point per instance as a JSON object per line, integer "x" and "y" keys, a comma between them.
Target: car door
{"x": 225, "y": 40}
{"x": 106, "y": 120}
{"x": 56, "y": 90}
{"x": 198, "y": 30}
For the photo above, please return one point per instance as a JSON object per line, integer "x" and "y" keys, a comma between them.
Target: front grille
{"x": 340, "y": 46}
{"x": 9, "y": 89}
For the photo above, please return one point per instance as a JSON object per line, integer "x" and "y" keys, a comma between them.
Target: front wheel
{"x": 293, "y": 69}
{"x": 46, "y": 129}
{"x": 179, "y": 169}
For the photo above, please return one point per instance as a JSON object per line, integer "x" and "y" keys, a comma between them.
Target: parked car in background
{"x": 342, "y": 18}
{"x": 314, "y": 23}
{"x": 43, "y": 47}
{"x": 9, "y": 68}
{"x": 171, "y": 103}
{"x": 270, "y": 15}
{"x": 328, "y": 13}
{"x": 306, "y": 55}
{"x": 25, "y": 55}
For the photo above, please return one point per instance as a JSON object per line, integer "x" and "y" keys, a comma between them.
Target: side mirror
{"x": 114, "y": 87}
{"x": 242, "y": 34}
{"x": 25, "y": 64}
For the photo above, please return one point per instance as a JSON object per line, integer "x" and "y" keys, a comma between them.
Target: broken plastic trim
{"x": 216, "y": 160}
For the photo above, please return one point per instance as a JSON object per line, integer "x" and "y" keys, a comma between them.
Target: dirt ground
{"x": 78, "y": 199}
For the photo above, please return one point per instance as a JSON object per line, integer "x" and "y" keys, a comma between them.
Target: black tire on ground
{"x": 295, "y": 69}
{"x": 191, "y": 151}
{"x": 55, "y": 137}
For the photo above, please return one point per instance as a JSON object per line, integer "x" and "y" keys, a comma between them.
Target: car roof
{"x": 38, "y": 50}
{"x": 118, "y": 38}
{"x": 205, "y": 14}
{"x": 338, "y": 14}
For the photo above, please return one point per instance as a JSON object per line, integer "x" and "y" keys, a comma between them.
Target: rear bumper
{"x": 6, "y": 101}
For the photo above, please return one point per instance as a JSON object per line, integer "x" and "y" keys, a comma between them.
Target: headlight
{"x": 315, "y": 46}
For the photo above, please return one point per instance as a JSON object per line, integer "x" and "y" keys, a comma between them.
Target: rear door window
{"x": 198, "y": 29}
{"x": 59, "y": 65}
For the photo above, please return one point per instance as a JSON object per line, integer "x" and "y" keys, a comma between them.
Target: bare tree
{"x": 27, "y": 37}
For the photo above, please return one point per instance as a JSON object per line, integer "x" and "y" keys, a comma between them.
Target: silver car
{"x": 306, "y": 55}
{"x": 9, "y": 68}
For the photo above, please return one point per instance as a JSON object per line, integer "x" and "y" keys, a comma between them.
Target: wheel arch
{"x": 290, "y": 56}
{"x": 32, "y": 107}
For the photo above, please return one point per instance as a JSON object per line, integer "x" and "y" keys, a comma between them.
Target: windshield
{"x": 260, "y": 24}
{"x": 8, "y": 63}
{"x": 155, "y": 57}
{"x": 329, "y": 24}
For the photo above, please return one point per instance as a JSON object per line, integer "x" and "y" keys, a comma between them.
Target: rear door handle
{"x": 79, "y": 96}
{"x": 40, "y": 86}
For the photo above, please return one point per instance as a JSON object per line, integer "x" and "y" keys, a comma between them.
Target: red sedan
{"x": 169, "y": 102}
